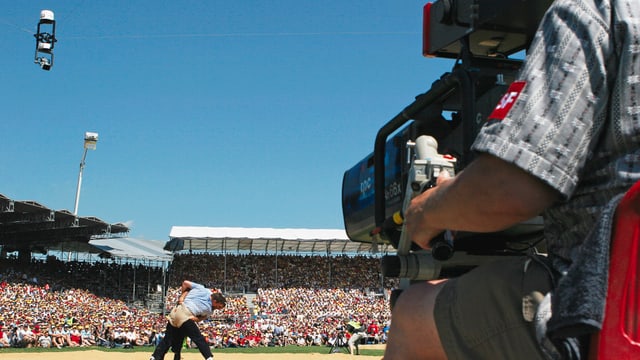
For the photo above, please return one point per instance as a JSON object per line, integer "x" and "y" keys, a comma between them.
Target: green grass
{"x": 292, "y": 349}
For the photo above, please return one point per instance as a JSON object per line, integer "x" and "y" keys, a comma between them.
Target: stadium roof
{"x": 266, "y": 240}
{"x": 132, "y": 248}
{"x": 125, "y": 248}
{"x": 28, "y": 225}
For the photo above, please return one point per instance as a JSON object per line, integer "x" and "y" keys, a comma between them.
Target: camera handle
{"x": 426, "y": 166}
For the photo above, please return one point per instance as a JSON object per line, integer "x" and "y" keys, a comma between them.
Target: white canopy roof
{"x": 257, "y": 233}
{"x": 265, "y": 240}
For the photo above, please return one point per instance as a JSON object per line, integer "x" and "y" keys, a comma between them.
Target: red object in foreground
{"x": 619, "y": 338}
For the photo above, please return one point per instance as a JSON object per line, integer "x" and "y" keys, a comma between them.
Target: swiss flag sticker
{"x": 507, "y": 101}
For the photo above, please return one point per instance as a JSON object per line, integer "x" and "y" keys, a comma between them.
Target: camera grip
{"x": 442, "y": 246}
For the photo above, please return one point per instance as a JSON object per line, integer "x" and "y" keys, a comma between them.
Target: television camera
{"x": 340, "y": 341}
{"x": 435, "y": 132}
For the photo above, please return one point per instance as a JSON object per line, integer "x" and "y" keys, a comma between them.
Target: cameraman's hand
{"x": 444, "y": 176}
{"x": 488, "y": 195}
{"x": 418, "y": 229}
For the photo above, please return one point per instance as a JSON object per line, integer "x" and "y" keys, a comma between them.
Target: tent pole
{"x": 164, "y": 287}
{"x": 133, "y": 295}
{"x": 224, "y": 252}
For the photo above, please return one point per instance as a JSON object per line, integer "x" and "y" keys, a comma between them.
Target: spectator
{"x": 119, "y": 337}
{"x": 58, "y": 339}
{"x": 74, "y": 336}
{"x": 44, "y": 340}
{"x": 25, "y": 337}
{"x": 87, "y": 337}
{"x": 373, "y": 331}
{"x": 157, "y": 338}
{"x": 4, "y": 338}
{"x": 65, "y": 331}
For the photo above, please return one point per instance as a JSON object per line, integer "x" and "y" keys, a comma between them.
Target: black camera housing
{"x": 485, "y": 37}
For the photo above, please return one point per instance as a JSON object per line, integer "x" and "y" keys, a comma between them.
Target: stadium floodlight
{"x": 90, "y": 141}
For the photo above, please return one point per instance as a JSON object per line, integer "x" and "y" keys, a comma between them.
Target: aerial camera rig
{"x": 45, "y": 40}
{"x": 480, "y": 35}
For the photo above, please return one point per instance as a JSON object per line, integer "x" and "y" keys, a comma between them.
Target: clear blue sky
{"x": 210, "y": 113}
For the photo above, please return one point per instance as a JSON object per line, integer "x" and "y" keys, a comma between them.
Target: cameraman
{"x": 564, "y": 142}
{"x": 357, "y": 332}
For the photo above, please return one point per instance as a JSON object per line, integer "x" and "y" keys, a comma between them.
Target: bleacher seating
{"x": 265, "y": 307}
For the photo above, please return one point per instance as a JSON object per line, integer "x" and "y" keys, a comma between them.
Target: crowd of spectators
{"x": 250, "y": 272}
{"x": 291, "y": 300}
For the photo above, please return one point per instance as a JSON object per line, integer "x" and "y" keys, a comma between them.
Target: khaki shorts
{"x": 480, "y": 314}
{"x": 178, "y": 315}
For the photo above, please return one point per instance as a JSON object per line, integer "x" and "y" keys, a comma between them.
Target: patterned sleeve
{"x": 550, "y": 119}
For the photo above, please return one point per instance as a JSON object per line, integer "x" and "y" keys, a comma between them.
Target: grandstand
{"x": 285, "y": 286}
{"x": 27, "y": 226}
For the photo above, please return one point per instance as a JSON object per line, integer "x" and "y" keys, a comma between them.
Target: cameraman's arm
{"x": 489, "y": 195}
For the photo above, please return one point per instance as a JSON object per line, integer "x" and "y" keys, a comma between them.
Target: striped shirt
{"x": 576, "y": 122}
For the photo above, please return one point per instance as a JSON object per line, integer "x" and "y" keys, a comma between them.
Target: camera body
{"x": 481, "y": 35}
{"x": 451, "y": 119}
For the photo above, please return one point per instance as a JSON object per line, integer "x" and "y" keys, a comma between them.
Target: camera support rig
{"x": 45, "y": 40}
{"x": 480, "y": 35}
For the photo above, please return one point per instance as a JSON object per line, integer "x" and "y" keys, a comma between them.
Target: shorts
{"x": 479, "y": 315}
{"x": 178, "y": 315}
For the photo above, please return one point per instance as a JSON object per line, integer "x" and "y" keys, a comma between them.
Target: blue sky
{"x": 210, "y": 113}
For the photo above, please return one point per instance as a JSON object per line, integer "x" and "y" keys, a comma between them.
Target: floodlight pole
{"x": 90, "y": 140}
{"x": 75, "y": 207}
